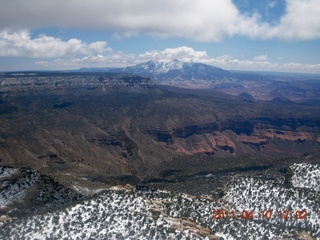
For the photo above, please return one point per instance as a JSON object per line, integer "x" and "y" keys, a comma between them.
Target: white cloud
{"x": 261, "y": 58}
{"x": 120, "y": 59}
{"x": 20, "y": 44}
{"x": 111, "y": 59}
{"x": 302, "y": 20}
{"x": 265, "y": 65}
{"x": 225, "y": 57}
{"x": 182, "y": 53}
{"x": 201, "y": 20}
{"x": 198, "y": 19}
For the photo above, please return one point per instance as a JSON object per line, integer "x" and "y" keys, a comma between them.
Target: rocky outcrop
{"x": 24, "y": 190}
{"x": 232, "y": 137}
{"x": 295, "y": 136}
{"x": 184, "y": 132}
{"x": 257, "y": 141}
{"x": 61, "y": 82}
{"x": 204, "y": 144}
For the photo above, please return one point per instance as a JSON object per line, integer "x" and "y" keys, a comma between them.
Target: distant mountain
{"x": 175, "y": 71}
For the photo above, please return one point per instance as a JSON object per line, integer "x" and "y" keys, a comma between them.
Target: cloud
{"x": 20, "y": 44}
{"x": 120, "y": 59}
{"x": 302, "y": 20}
{"x": 261, "y": 58}
{"x": 200, "y": 20}
{"x": 110, "y": 59}
{"x": 182, "y": 53}
{"x": 265, "y": 65}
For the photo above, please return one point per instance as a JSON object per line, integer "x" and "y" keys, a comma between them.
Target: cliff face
{"x": 211, "y": 139}
{"x": 61, "y": 82}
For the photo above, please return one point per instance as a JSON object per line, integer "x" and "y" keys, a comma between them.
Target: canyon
{"x": 119, "y": 126}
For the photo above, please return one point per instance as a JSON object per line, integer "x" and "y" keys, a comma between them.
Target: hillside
{"x": 253, "y": 207}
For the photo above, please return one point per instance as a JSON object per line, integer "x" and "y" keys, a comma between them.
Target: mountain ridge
{"x": 169, "y": 70}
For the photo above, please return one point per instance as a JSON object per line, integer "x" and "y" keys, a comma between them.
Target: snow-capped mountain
{"x": 175, "y": 70}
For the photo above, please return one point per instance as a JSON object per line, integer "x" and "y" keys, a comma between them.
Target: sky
{"x": 256, "y": 35}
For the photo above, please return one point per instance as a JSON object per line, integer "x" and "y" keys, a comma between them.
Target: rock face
{"x": 232, "y": 137}
{"x": 24, "y": 190}
{"x": 224, "y": 142}
{"x": 61, "y": 82}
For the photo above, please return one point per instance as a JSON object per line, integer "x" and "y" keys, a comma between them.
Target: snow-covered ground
{"x": 6, "y": 172}
{"x": 18, "y": 189}
{"x": 111, "y": 215}
{"x": 288, "y": 207}
{"x": 306, "y": 176}
{"x": 145, "y": 213}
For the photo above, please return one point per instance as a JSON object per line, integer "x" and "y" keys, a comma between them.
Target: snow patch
{"x": 306, "y": 176}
